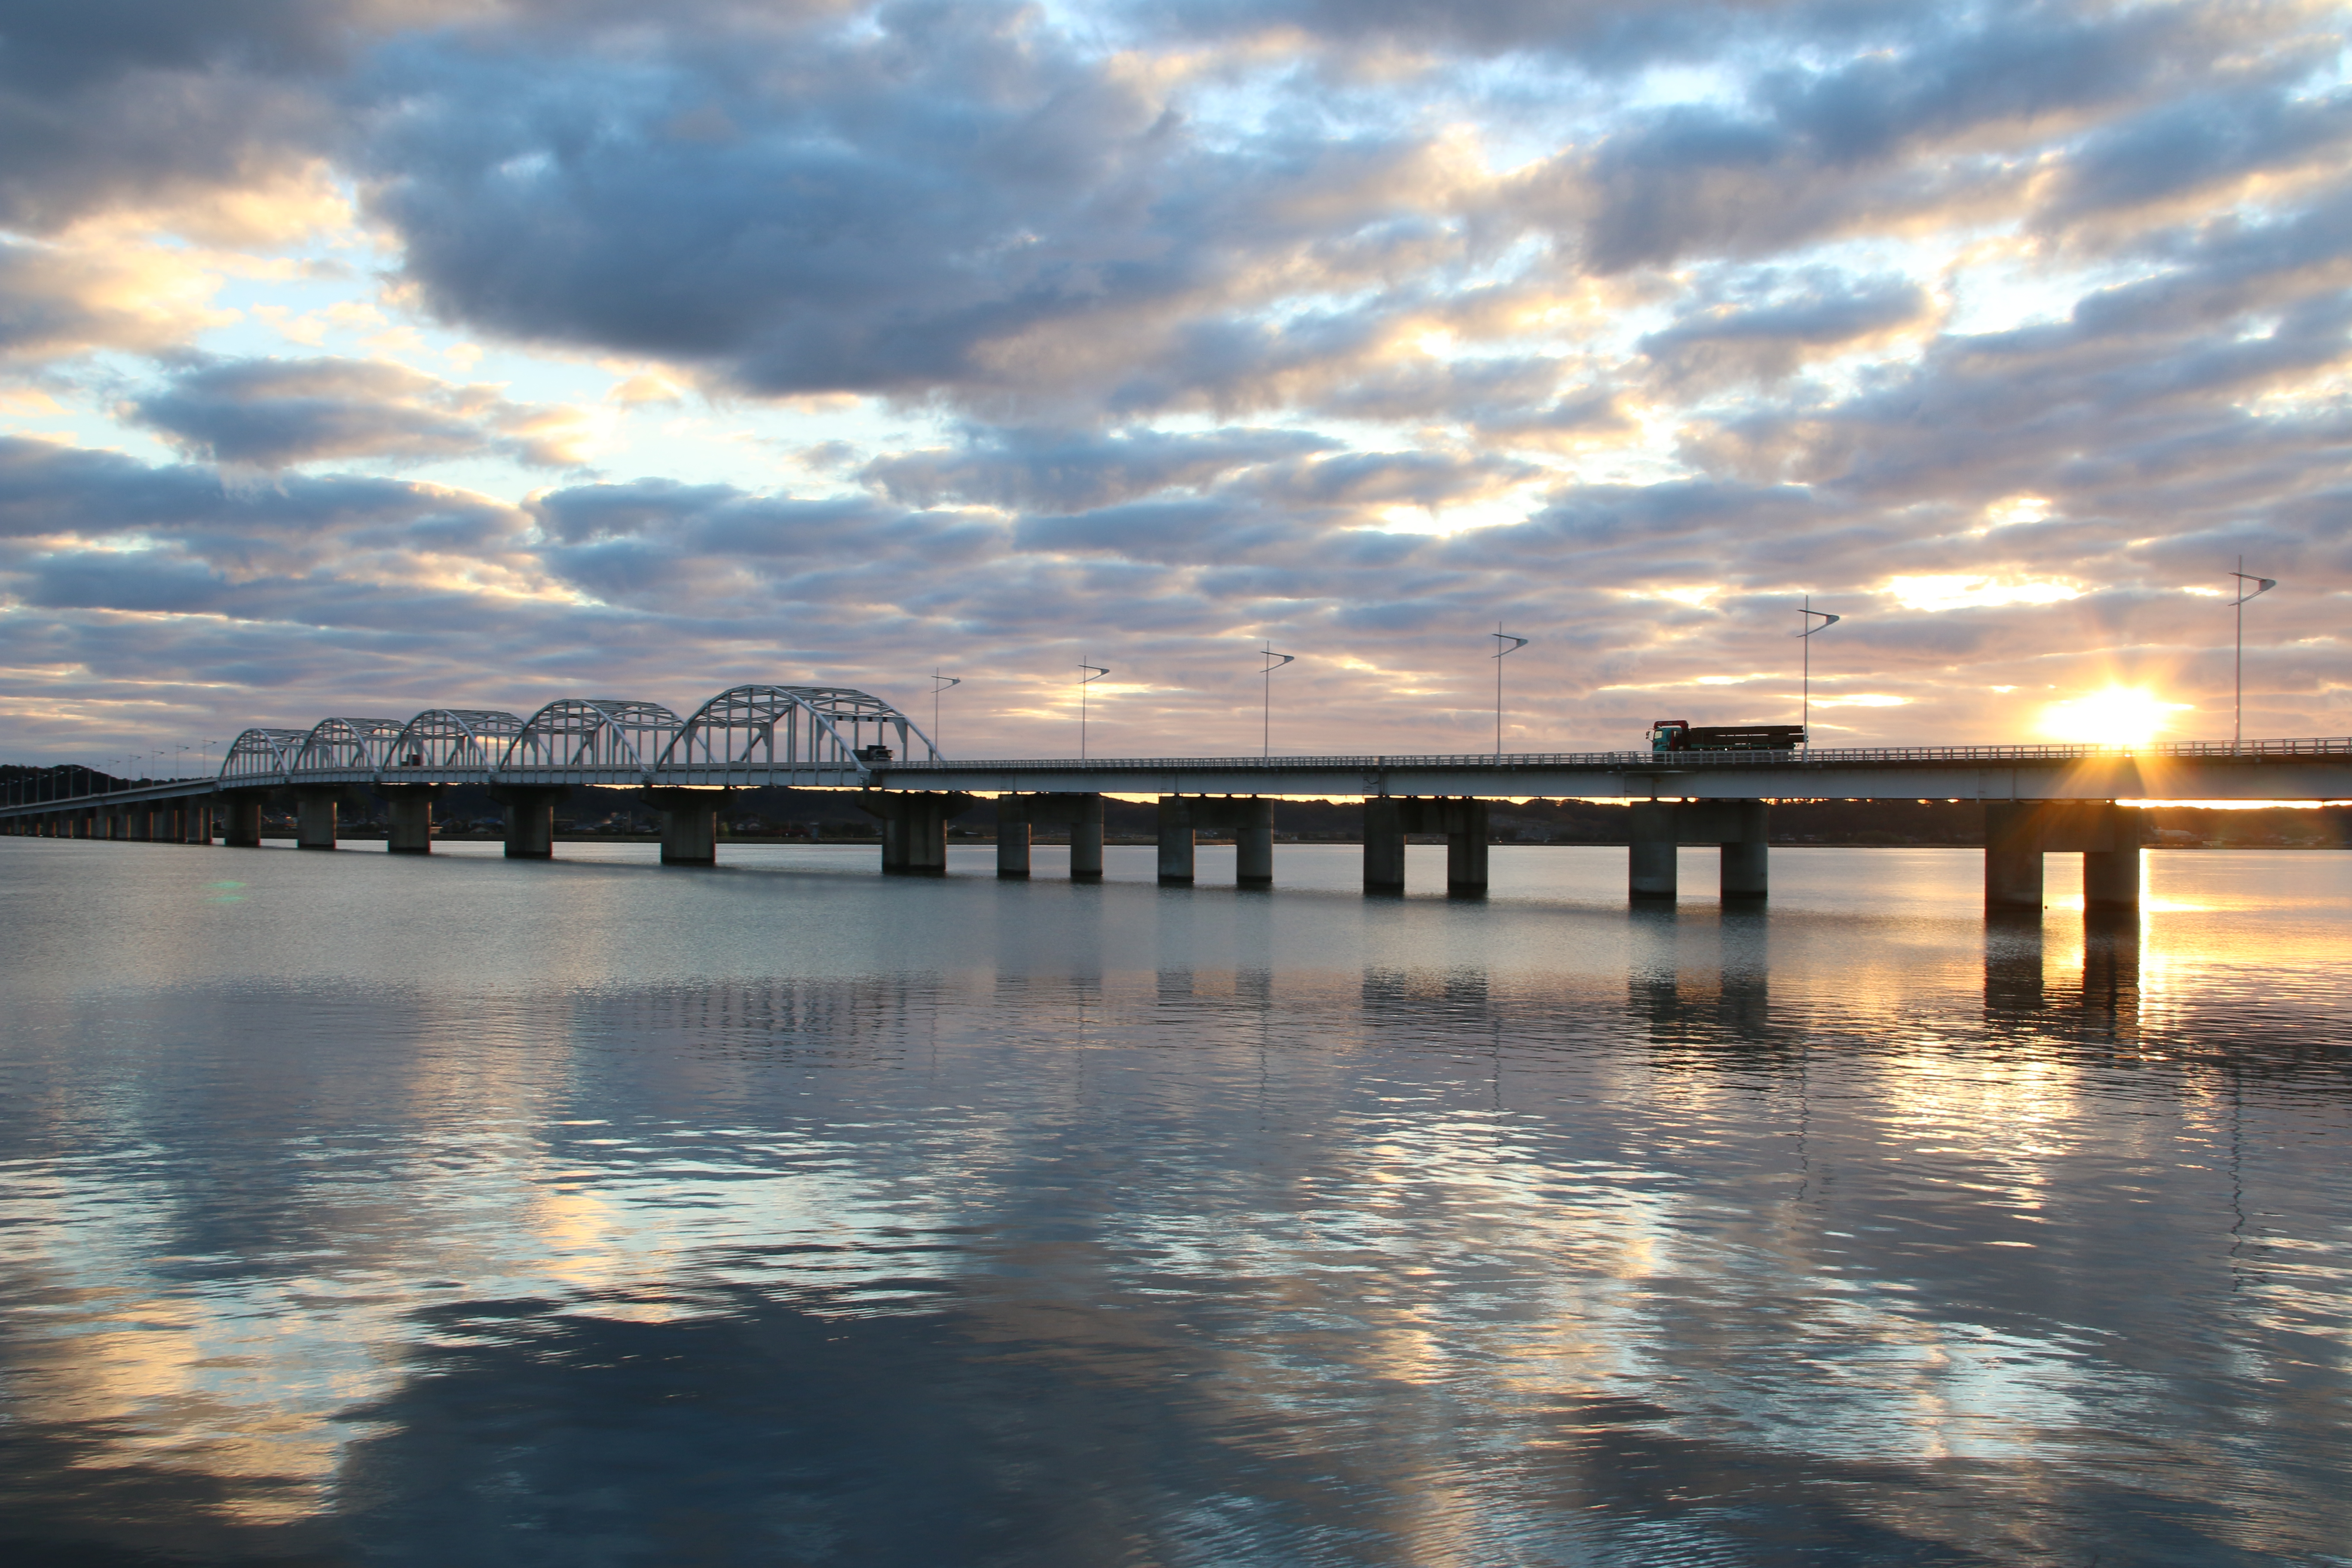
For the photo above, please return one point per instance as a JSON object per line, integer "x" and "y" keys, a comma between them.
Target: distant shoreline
{"x": 366, "y": 835}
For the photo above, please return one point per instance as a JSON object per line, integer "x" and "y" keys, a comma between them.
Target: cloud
{"x": 1943, "y": 126}
{"x": 1602, "y": 37}
{"x": 958, "y": 198}
{"x": 215, "y": 114}
{"x": 272, "y": 413}
{"x": 1143, "y": 331}
{"x": 1771, "y": 340}
{"x": 59, "y": 302}
{"x": 875, "y": 209}
{"x": 2213, "y": 140}
{"x": 1067, "y": 471}
{"x": 69, "y": 496}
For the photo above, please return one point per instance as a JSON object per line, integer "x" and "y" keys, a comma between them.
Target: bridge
{"x": 2038, "y": 799}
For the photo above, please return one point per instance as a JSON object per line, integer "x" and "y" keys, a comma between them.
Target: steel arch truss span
{"x": 590, "y": 740}
{"x": 262, "y": 757}
{"x": 452, "y": 745}
{"x": 746, "y": 737}
{"x": 347, "y": 751}
{"x": 817, "y": 735}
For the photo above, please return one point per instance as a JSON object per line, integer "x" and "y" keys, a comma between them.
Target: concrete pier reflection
{"x": 2019, "y": 994}
{"x": 1685, "y": 1005}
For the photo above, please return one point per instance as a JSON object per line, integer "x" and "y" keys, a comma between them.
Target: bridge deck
{"x": 2313, "y": 768}
{"x": 2275, "y": 770}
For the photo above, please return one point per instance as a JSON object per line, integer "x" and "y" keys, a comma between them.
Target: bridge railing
{"x": 1646, "y": 760}
{"x": 267, "y": 758}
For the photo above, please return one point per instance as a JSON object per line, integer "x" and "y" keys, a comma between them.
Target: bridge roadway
{"x": 2037, "y": 799}
{"x": 2258, "y": 769}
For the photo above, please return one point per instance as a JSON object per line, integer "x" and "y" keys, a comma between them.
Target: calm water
{"x": 364, "y": 1210}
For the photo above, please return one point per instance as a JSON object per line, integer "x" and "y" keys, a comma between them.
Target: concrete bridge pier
{"x": 241, "y": 821}
{"x": 1384, "y": 844}
{"x": 530, "y": 811}
{"x": 1086, "y": 838}
{"x": 2111, "y": 877}
{"x": 1740, "y": 829}
{"x": 1737, "y": 828}
{"x": 1467, "y": 829}
{"x": 1746, "y": 856}
{"x": 2017, "y": 834}
{"x": 1464, "y": 821}
{"x": 1018, "y": 815}
{"x": 1175, "y": 841}
{"x": 914, "y": 828}
{"x": 2012, "y": 863}
{"x": 410, "y": 808}
{"x": 314, "y": 816}
{"x": 1254, "y": 843}
{"x": 1249, "y": 818}
{"x": 1012, "y": 837}
{"x": 690, "y": 825}
{"x": 1653, "y": 869}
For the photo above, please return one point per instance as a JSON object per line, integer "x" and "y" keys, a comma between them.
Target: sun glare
{"x": 2119, "y": 716}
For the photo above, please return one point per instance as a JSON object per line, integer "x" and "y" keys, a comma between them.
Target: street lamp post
{"x": 2238, "y": 678}
{"x": 1087, "y": 675}
{"x": 939, "y": 683}
{"x": 1805, "y": 718}
{"x": 1265, "y": 713}
{"x": 1499, "y": 635}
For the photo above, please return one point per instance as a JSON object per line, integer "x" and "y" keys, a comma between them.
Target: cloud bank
{"x": 384, "y": 352}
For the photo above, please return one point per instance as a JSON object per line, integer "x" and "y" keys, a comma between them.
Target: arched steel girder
{"x": 577, "y": 739}
{"x": 745, "y": 735}
{"x": 819, "y": 733}
{"x": 346, "y": 749}
{"x": 444, "y": 741}
{"x": 262, "y": 757}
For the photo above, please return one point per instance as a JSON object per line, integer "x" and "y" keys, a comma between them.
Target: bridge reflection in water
{"x": 2038, "y": 800}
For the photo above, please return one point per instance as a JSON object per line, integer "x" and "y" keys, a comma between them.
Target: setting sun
{"x": 2119, "y": 716}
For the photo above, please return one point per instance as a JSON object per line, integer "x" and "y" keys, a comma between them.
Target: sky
{"x": 359, "y": 357}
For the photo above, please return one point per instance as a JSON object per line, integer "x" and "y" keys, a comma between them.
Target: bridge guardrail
{"x": 249, "y": 765}
{"x": 1619, "y": 762}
